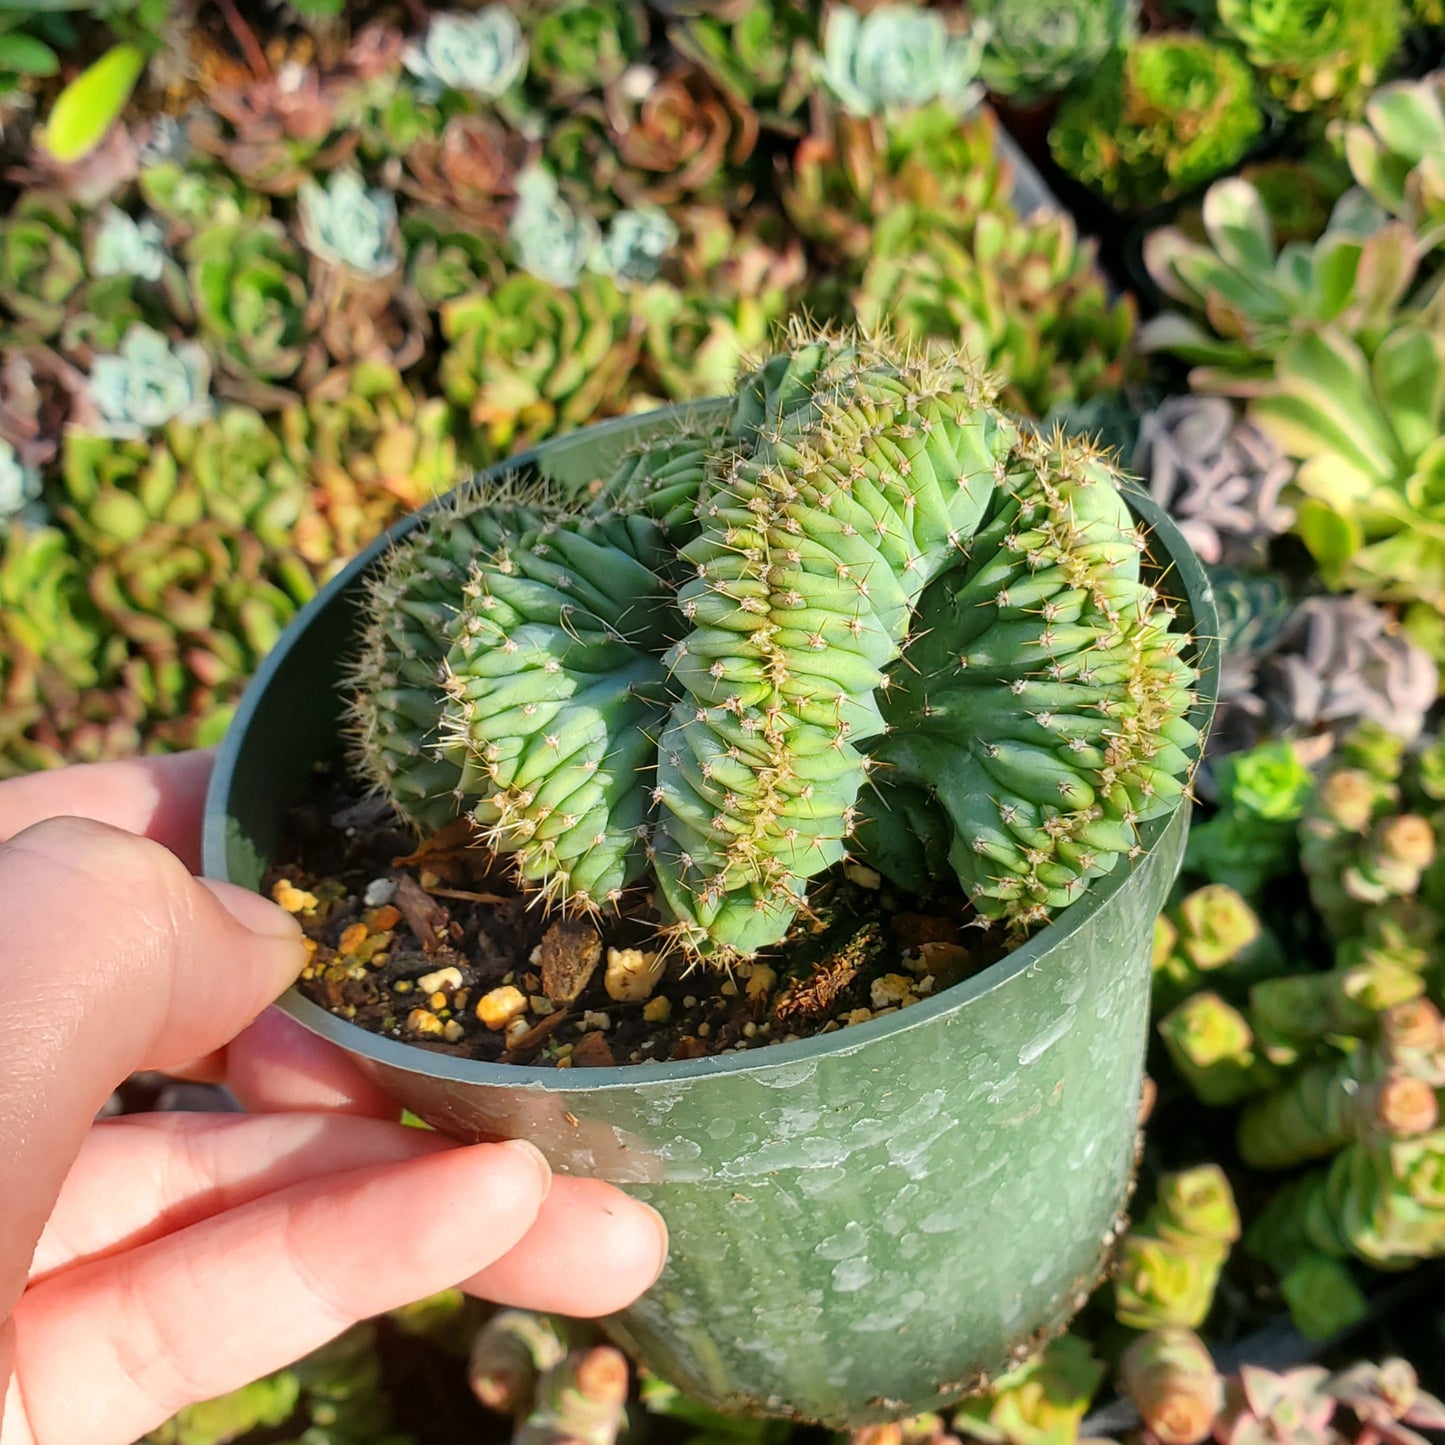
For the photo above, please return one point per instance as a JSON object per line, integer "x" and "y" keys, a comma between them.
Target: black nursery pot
{"x": 864, "y": 1224}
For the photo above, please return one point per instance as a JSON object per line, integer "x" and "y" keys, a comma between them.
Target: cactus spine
{"x": 862, "y": 572}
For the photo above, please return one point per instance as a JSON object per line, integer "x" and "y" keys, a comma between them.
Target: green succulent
{"x": 150, "y": 382}
{"x": 1214, "y": 1050}
{"x": 249, "y": 283}
{"x": 482, "y": 54}
{"x": 1397, "y": 153}
{"x": 1037, "y": 48}
{"x": 1314, "y": 55}
{"x": 1211, "y": 930}
{"x": 845, "y": 178}
{"x": 571, "y": 674}
{"x": 1023, "y": 296}
{"x": 1367, "y": 430}
{"x": 45, "y": 609}
{"x": 529, "y": 358}
{"x": 41, "y": 265}
{"x": 1040, "y": 1402}
{"x": 896, "y": 57}
{"x": 577, "y": 46}
{"x": 1250, "y": 297}
{"x": 763, "y": 55}
{"x": 1152, "y": 122}
{"x": 192, "y": 198}
{"x": 1322, "y": 1297}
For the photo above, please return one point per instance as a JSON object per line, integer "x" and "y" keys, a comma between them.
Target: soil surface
{"x": 432, "y": 943}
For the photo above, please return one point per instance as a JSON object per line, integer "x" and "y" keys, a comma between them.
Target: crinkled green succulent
{"x": 897, "y": 57}
{"x": 191, "y": 198}
{"x": 150, "y": 382}
{"x": 1314, "y": 55}
{"x": 528, "y": 358}
{"x": 1397, "y": 153}
{"x": 249, "y": 286}
{"x": 1022, "y": 296}
{"x": 1369, "y": 432}
{"x": 482, "y": 54}
{"x": 1154, "y": 121}
{"x": 1250, "y": 297}
{"x": 41, "y": 265}
{"x": 348, "y": 223}
{"x": 1036, "y": 48}
{"x": 723, "y": 733}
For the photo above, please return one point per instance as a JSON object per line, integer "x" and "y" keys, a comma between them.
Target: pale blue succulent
{"x": 124, "y": 246}
{"x": 551, "y": 240}
{"x": 898, "y": 57}
{"x": 19, "y": 484}
{"x": 635, "y": 243}
{"x": 483, "y": 54}
{"x": 347, "y": 223}
{"x": 149, "y": 383}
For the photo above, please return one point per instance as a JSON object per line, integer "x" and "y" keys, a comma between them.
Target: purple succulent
{"x": 1217, "y": 475}
{"x": 1265, "y": 1408}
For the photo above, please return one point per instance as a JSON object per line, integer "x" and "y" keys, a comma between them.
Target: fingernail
{"x": 662, "y": 1242}
{"x": 254, "y": 913}
{"x": 539, "y": 1160}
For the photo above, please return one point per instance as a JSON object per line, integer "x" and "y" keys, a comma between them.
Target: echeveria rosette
{"x": 1249, "y": 296}
{"x": 1369, "y": 433}
{"x": 765, "y": 55}
{"x": 249, "y": 286}
{"x": 849, "y": 173}
{"x": 1024, "y": 297}
{"x": 1153, "y": 121}
{"x": 189, "y": 198}
{"x": 468, "y": 173}
{"x": 1397, "y": 153}
{"x": 347, "y": 223}
{"x": 897, "y": 57}
{"x": 482, "y": 54}
{"x": 1037, "y": 48}
{"x": 578, "y": 46}
{"x": 550, "y": 239}
{"x": 20, "y": 484}
{"x": 1314, "y": 55}
{"x": 148, "y": 383}
{"x": 1264, "y": 1408}
{"x": 1042, "y": 1400}
{"x": 121, "y": 245}
{"x": 41, "y": 265}
{"x": 677, "y": 134}
{"x": 527, "y": 358}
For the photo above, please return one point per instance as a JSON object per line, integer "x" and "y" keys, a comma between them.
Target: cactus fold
{"x": 702, "y": 671}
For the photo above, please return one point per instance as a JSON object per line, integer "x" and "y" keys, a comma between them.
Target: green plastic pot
{"x": 864, "y": 1224}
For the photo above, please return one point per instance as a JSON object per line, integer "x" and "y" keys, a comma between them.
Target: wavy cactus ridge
{"x": 812, "y": 556}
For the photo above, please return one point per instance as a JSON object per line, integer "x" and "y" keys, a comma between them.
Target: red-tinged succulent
{"x": 469, "y": 171}
{"x": 1387, "y": 1400}
{"x": 674, "y": 133}
{"x": 1265, "y": 1408}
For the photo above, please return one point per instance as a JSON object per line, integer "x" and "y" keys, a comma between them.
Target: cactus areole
{"x": 854, "y": 612}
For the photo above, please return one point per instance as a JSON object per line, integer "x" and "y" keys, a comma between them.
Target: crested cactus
{"x": 869, "y": 569}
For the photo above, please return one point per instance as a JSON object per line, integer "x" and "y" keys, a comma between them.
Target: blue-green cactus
{"x": 863, "y": 571}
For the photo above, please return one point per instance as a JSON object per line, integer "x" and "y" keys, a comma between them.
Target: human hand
{"x": 151, "y": 1261}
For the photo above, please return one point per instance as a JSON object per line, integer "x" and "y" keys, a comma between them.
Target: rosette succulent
{"x": 764, "y": 55}
{"x": 19, "y": 484}
{"x": 1023, "y": 296}
{"x": 1250, "y": 296}
{"x": 711, "y": 704}
{"x": 347, "y": 223}
{"x": 41, "y": 265}
{"x": 897, "y": 57}
{"x": 1397, "y": 152}
{"x": 578, "y": 46}
{"x": 1036, "y": 48}
{"x": 150, "y": 382}
{"x": 1154, "y": 121}
{"x": 1314, "y": 55}
{"x": 483, "y": 54}
{"x": 1218, "y": 476}
{"x": 124, "y": 246}
{"x": 1369, "y": 433}
{"x": 550, "y": 240}
{"x": 249, "y": 286}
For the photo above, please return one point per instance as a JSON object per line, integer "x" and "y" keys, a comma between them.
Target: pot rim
{"x": 1197, "y": 592}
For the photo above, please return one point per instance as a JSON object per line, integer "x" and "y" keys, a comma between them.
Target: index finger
{"x": 161, "y": 798}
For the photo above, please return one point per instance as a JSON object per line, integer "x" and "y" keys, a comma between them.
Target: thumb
{"x": 116, "y": 959}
